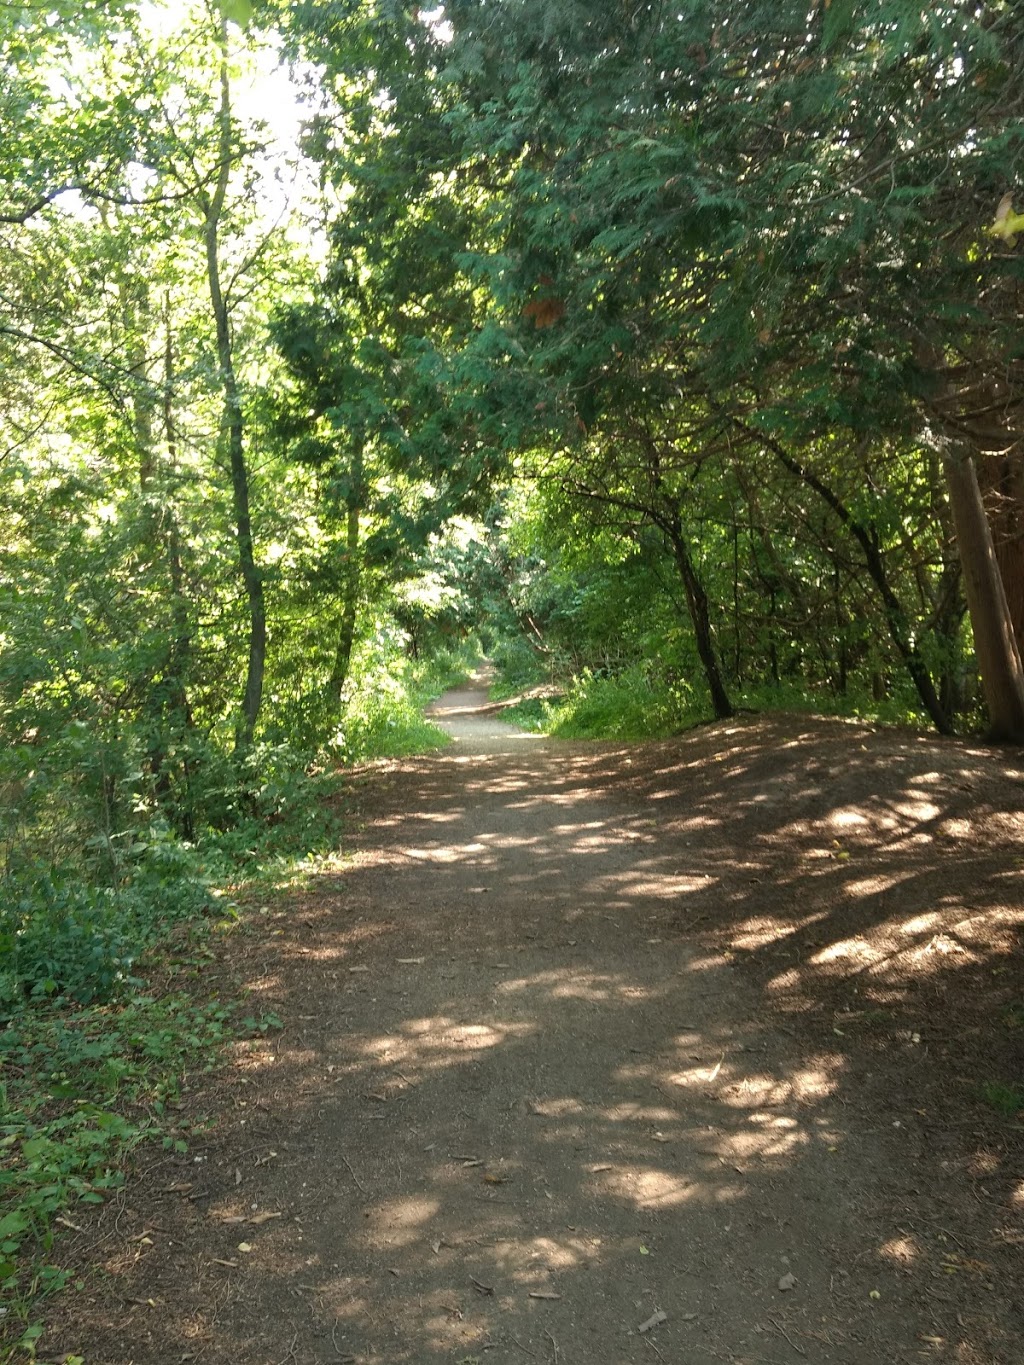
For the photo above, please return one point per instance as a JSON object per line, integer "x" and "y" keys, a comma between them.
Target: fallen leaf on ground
{"x": 258, "y": 1219}
{"x": 410, "y": 961}
{"x": 245, "y": 1246}
{"x": 787, "y": 1282}
{"x": 544, "y": 1294}
{"x": 655, "y": 1320}
{"x": 179, "y": 1187}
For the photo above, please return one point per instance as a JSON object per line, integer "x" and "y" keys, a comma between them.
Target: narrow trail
{"x": 584, "y": 1035}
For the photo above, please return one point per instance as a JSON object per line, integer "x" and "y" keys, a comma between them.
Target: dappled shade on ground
{"x": 581, "y": 1034}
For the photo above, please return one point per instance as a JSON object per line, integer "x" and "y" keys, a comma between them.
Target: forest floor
{"x": 692, "y": 1051}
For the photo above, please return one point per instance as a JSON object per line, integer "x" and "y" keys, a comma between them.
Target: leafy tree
{"x": 789, "y": 213}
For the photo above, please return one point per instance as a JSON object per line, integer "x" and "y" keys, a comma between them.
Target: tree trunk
{"x": 895, "y": 616}
{"x": 1001, "y": 479}
{"x": 700, "y": 615}
{"x": 999, "y": 662}
{"x": 234, "y": 423}
{"x": 181, "y": 648}
{"x": 352, "y": 578}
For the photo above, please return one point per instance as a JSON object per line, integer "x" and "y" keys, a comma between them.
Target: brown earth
{"x": 576, "y": 1036}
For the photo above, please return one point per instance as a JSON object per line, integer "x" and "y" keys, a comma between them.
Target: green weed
{"x": 1006, "y": 1097}
{"x": 630, "y": 705}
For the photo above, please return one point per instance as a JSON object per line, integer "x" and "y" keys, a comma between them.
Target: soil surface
{"x": 691, "y": 1051}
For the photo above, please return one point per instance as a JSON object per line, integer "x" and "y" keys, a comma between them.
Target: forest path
{"x": 578, "y": 1036}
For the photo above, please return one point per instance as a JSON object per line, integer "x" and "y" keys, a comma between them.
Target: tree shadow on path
{"x": 582, "y": 1035}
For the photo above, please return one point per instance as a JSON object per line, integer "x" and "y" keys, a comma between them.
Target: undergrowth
{"x": 105, "y": 952}
{"x": 639, "y": 703}
{"x": 631, "y": 705}
{"x": 383, "y": 716}
{"x": 92, "y": 1065}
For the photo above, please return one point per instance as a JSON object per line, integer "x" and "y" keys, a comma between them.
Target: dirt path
{"x": 580, "y": 1036}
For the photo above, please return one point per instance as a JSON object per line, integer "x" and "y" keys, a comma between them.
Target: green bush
{"x": 386, "y": 693}
{"x": 630, "y": 705}
{"x": 64, "y": 937}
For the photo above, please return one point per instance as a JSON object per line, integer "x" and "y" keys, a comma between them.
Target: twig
{"x": 650, "y": 1343}
{"x": 518, "y": 1343}
{"x": 359, "y": 1183}
{"x": 779, "y": 1328}
{"x": 554, "y": 1344}
{"x": 290, "y": 1353}
{"x": 939, "y": 1228}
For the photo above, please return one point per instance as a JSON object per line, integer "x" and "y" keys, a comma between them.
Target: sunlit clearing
{"x": 900, "y": 1250}
{"x": 669, "y": 885}
{"x": 920, "y": 923}
{"x": 811, "y": 1083}
{"x": 557, "y": 1109}
{"x": 632, "y": 1112}
{"x": 401, "y": 1222}
{"x": 539, "y": 1253}
{"x": 943, "y": 946}
{"x": 873, "y": 886}
{"x": 855, "y": 950}
{"x": 438, "y": 1042}
{"x": 761, "y": 930}
{"x": 846, "y": 819}
{"x": 771, "y": 1138}
{"x": 983, "y": 1163}
{"x": 570, "y": 985}
{"x": 917, "y": 810}
{"x": 647, "y": 1189}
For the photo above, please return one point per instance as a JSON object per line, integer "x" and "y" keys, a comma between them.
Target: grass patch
{"x": 383, "y": 715}
{"x": 630, "y": 705}
{"x": 533, "y": 713}
{"x": 1005, "y": 1097}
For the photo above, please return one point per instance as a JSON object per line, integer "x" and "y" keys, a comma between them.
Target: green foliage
{"x": 1005, "y": 1097}
{"x": 632, "y": 705}
{"x": 383, "y": 711}
{"x": 84, "y": 1086}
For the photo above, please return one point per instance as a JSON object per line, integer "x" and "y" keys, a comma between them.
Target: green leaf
{"x": 12, "y": 1224}
{"x": 238, "y": 11}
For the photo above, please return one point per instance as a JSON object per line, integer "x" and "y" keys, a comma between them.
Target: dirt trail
{"x": 581, "y": 1035}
